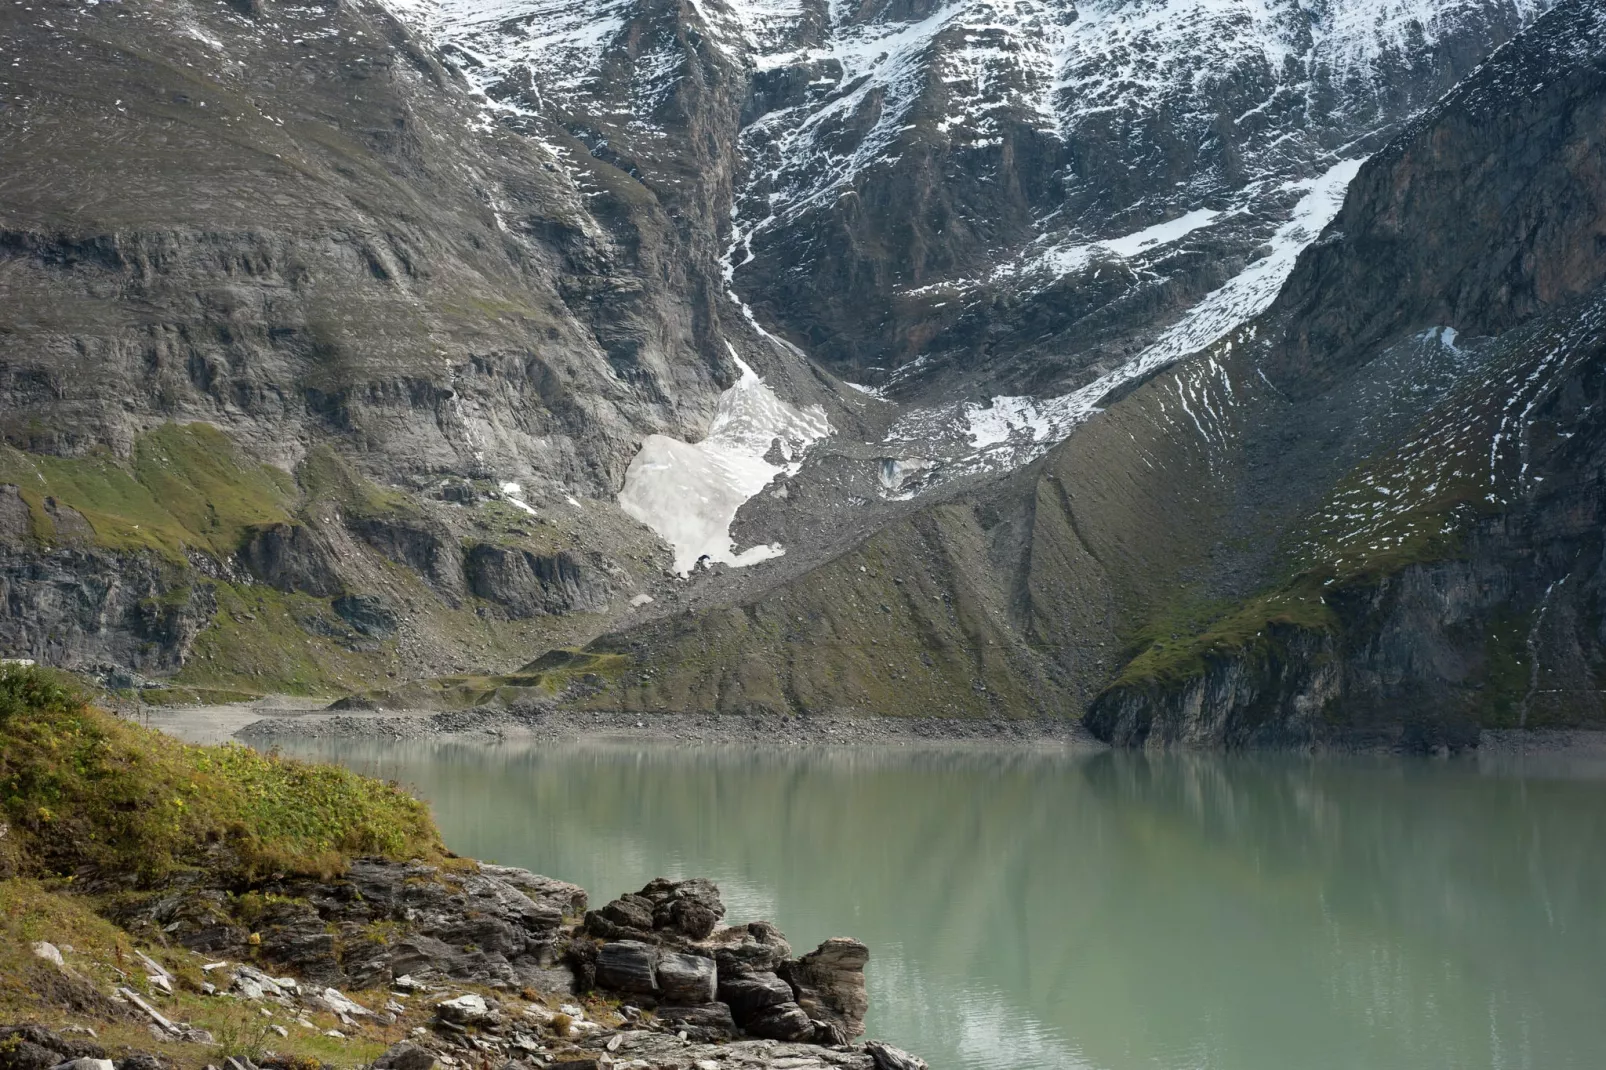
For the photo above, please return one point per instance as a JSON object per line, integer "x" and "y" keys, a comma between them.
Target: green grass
{"x": 262, "y": 640}
{"x": 184, "y": 487}
{"x": 1180, "y": 646}
{"x": 80, "y": 788}
{"x": 548, "y": 676}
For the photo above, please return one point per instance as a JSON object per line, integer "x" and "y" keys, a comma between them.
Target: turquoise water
{"x": 1105, "y": 910}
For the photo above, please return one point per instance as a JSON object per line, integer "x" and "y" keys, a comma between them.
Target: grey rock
{"x": 21, "y": 1054}
{"x": 86, "y": 1064}
{"x": 687, "y": 978}
{"x": 703, "y": 1021}
{"x": 627, "y": 966}
{"x": 405, "y": 1056}
{"x": 756, "y": 947}
{"x": 889, "y": 1058}
{"x": 468, "y": 1009}
{"x": 750, "y": 994}
{"x": 829, "y": 982}
{"x": 782, "y": 1021}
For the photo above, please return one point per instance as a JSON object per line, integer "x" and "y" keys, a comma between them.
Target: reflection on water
{"x": 1105, "y": 910}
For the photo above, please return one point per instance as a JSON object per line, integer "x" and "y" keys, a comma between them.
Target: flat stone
{"x": 889, "y": 1058}
{"x": 468, "y": 1009}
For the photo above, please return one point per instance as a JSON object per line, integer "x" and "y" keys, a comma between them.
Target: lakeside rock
{"x": 487, "y": 965}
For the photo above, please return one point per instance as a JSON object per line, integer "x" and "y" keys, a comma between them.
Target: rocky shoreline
{"x": 545, "y": 724}
{"x": 467, "y": 965}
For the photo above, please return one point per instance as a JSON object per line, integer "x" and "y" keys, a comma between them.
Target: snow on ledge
{"x": 689, "y": 493}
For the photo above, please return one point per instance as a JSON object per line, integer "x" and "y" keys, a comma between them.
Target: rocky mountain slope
{"x": 1000, "y": 359}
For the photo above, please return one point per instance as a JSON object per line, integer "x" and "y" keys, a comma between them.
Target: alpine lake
{"x": 1064, "y": 909}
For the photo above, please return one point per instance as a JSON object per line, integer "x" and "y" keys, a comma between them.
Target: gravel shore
{"x": 285, "y": 720}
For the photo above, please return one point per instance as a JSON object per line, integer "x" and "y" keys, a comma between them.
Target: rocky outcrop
{"x": 490, "y": 925}
{"x": 661, "y": 946}
{"x": 489, "y": 950}
{"x": 530, "y": 585}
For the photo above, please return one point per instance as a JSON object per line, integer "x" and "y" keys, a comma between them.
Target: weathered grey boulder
{"x": 630, "y": 912}
{"x": 750, "y": 994}
{"x": 783, "y": 1021}
{"x": 22, "y": 1054}
{"x": 690, "y": 908}
{"x": 889, "y": 1058}
{"x": 664, "y": 912}
{"x": 688, "y": 978}
{"x": 829, "y": 982}
{"x": 756, "y": 947}
{"x": 405, "y": 1056}
{"x": 628, "y": 966}
{"x": 703, "y": 1022}
{"x": 469, "y": 1009}
{"x": 86, "y": 1064}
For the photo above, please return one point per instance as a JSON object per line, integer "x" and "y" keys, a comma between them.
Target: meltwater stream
{"x": 1104, "y": 910}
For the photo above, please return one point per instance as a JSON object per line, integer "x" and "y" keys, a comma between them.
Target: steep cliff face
{"x": 1457, "y": 569}
{"x": 294, "y": 224}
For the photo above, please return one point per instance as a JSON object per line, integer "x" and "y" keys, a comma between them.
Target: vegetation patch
{"x": 80, "y": 788}
{"x": 185, "y": 487}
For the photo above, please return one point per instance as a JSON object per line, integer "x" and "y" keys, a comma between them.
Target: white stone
{"x": 49, "y": 953}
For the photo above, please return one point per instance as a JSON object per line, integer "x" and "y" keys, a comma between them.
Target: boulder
{"x": 688, "y": 978}
{"x": 86, "y": 1064}
{"x": 21, "y": 1054}
{"x": 889, "y": 1058}
{"x": 405, "y": 1056}
{"x": 750, "y": 994}
{"x": 703, "y": 1022}
{"x": 756, "y": 947}
{"x": 64, "y": 1048}
{"x": 630, "y": 912}
{"x": 140, "y": 1060}
{"x": 690, "y": 908}
{"x": 829, "y": 982}
{"x": 468, "y": 1009}
{"x": 627, "y": 966}
{"x": 783, "y": 1021}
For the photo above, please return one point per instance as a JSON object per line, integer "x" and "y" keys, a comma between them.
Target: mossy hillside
{"x": 184, "y": 487}
{"x": 80, "y": 788}
{"x": 1409, "y": 505}
{"x": 263, "y": 641}
{"x": 549, "y": 677}
{"x": 893, "y": 627}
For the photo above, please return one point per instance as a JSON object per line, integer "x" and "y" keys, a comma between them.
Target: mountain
{"x": 994, "y": 359}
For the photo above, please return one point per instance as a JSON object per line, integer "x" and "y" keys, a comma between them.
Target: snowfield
{"x": 689, "y": 493}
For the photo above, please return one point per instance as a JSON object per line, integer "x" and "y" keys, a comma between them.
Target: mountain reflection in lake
{"x": 1117, "y": 911}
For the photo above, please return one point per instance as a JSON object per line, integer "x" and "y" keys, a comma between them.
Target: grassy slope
{"x": 81, "y": 791}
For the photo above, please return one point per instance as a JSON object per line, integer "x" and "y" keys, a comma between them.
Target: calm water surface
{"x": 1106, "y": 911}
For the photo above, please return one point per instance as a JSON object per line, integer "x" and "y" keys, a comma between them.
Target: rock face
{"x": 1451, "y": 576}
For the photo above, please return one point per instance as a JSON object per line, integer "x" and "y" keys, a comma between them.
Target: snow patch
{"x": 689, "y": 493}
